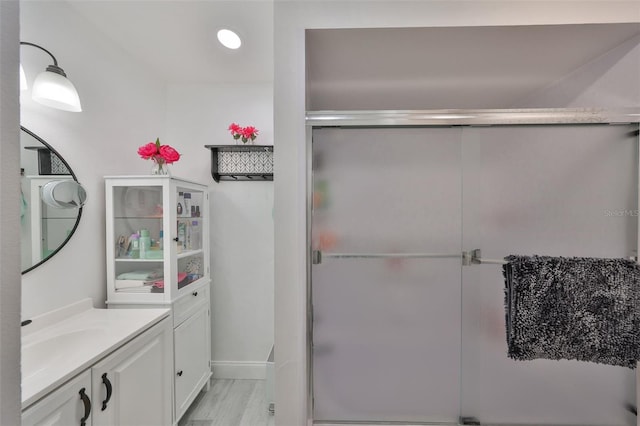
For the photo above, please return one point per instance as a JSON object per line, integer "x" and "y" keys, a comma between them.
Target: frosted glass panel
{"x": 546, "y": 190}
{"x": 386, "y": 334}
{"x": 423, "y": 340}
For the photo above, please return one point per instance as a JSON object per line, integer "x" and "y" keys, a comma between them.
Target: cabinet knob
{"x": 179, "y": 373}
{"x": 195, "y": 293}
{"x": 176, "y": 239}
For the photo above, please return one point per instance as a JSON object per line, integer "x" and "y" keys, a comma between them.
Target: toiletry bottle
{"x": 180, "y": 207}
{"x": 181, "y": 237}
{"x": 187, "y": 204}
{"x": 190, "y": 245}
{"x": 145, "y": 243}
{"x": 161, "y": 240}
{"x": 197, "y": 211}
{"x": 196, "y": 238}
{"x": 135, "y": 245}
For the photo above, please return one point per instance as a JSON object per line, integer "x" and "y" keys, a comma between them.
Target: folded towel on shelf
{"x": 181, "y": 277}
{"x": 122, "y": 284}
{"x": 572, "y": 308}
{"x": 143, "y": 289}
{"x": 145, "y": 275}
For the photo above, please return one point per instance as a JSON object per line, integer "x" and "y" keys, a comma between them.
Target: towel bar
{"x": 318, "y": 255}
{"x": 473, "y": 257}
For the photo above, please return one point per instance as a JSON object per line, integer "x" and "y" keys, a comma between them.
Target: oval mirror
{"x": 51, "y": 200}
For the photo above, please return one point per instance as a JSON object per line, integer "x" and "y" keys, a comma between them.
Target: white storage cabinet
{"x": 169, "y": 268}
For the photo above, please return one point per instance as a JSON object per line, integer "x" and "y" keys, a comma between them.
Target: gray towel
{"x": 572, "y": 308}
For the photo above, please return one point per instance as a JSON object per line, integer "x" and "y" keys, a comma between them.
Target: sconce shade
{"x": 23, "y": 79}
{"x": 53, "y": 89}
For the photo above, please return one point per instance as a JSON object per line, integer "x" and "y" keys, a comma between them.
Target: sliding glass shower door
{"x": 386, "y": 331}
{"x": 402, "y": 332}
{"x": 567, "y": 190}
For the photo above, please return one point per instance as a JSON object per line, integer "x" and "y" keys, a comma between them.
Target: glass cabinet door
{"x": 157, "y": 236}
{"x": 139, "y": 239}
{"x": 189, "y": 231}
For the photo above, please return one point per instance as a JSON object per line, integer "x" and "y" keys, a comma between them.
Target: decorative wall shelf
{"x": 241, "y": 162}
{"x": 48, "y": 161}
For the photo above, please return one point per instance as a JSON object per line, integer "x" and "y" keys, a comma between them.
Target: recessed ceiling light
{"x": 229, "y": 39}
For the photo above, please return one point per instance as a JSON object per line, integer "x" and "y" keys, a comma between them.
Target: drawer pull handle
{"x": 107, "y": 384}
{"x": 180, "y": 373}
{"x": 87, "y": 407}
{"x": 195, "y": 293}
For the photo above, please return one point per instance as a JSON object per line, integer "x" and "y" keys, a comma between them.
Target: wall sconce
{"x": 51, "y": 87}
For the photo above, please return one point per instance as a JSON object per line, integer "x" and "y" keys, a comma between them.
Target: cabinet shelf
{"x": 188, "y": 253}
{"x": 129, "y": 259}
{"x": 241, "y": 162}
{"x": 137, "y": 217}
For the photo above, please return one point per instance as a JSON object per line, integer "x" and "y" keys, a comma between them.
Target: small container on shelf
{"x": 187, "y": 204}
{"x": 134, "y": 246}
{"x": 180, "y": 205}
{"x": 145, "y": 243}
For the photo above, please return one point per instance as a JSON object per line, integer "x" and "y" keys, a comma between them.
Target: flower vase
{"x": 160, "y": 168}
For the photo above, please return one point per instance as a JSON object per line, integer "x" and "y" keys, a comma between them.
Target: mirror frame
{"x": 73, "y": 175}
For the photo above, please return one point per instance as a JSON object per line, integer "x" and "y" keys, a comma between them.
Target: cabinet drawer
{"x": 189, "y": 303}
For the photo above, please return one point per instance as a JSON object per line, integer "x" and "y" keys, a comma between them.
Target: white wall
{"x": 609, "y": 81}
{"x": 241, "y": 219}
{"x": 291, "y": 19}
{"x": 123, "y": 108}
{"x": 9, "y": 217}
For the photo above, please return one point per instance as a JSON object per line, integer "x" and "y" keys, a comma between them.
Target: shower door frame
{"x": 440, "y": 118}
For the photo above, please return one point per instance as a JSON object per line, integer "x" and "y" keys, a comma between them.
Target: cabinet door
{"x": 69, "y": 405}
{"x": 192, "y": 354}
{"x": 132, "y": 386}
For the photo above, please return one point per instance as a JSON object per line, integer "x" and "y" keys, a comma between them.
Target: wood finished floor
{"x": 230, "y": 403}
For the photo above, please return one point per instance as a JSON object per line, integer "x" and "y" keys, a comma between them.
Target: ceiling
{"x": 177, "y": 38}
{"x": 384, "y": 68}
{"x": 448, "y": 67}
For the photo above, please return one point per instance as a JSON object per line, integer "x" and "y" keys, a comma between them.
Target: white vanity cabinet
{"x": 158, "y": 257}
{"x": 69, "y": 405}
{"x": 129, "y": 387}
{"x": 128, "y": 384}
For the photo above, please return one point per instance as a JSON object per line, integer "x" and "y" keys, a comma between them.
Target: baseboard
{"x": 239, "y": 369}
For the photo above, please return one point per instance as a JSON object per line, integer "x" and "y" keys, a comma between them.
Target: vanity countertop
{"x": 58, "y": 345}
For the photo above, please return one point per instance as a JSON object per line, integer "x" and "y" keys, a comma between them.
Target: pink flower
{"x": 246, "y": 133}
{"x": 169, "y": 154}
{"x": 235, "y": 130}
{"x": 147, "y": 151}
{"x": 159, "y": 153}
{"x": 250, "y": 132}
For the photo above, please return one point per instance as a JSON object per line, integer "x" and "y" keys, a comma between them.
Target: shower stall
{"x": 410, "y": 215}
